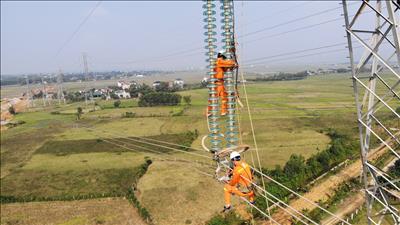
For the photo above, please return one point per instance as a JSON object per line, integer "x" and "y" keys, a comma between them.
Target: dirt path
{"x": 346, "y": 207}
{"x": 353, "y": 202}
{"x": 325, "y": 189}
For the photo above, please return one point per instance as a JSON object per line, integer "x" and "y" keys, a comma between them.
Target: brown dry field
{"x": 107, "y": 211}
{"x": 177, "y": 193}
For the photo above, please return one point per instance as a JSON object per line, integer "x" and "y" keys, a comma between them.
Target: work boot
{"x": 226, "y": 209}
{"x": 251, "y": 197}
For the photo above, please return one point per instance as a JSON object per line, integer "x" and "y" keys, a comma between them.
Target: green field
{"x": 108, "y": 211}
{"x": 54, "y": 153}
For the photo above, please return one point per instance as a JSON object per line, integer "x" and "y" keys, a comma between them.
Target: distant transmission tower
{"x": 86, "y": 71}
{"x": 60, "y": 92}
{"x": 44, "y": 94}
{"x": 376, "y": 79}
{"x": 28, "y": 93}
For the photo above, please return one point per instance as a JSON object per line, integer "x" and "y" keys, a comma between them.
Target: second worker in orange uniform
{"x": 242, "y": 177}
{"x": 222, "y": 65}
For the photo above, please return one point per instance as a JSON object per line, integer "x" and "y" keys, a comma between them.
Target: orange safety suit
{"x": 242, "y": 177}
{"x": 220, "y": 68}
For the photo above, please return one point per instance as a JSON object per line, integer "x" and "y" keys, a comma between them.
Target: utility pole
{"x": 86, "y": 71}
{"x": 28, "y": 92}
{"x": 60, "y": 93}
{"x": 376, "y": 97}
{"x": 43, "y": 93}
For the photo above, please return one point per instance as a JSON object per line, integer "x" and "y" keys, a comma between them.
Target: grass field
{"x": 107, "y": 211}
{"x": 175, "y": 193}
{"x": 52, "y": 154}
{"x": 84, "y": 166}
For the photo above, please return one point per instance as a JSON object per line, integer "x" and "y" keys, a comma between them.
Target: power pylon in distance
{"x": 86, "y": 71}
{"x": 60, "y": 90}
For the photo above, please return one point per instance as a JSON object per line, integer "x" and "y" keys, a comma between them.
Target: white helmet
{"x": 222, "y": 52}
{"x": 234, "y": 154}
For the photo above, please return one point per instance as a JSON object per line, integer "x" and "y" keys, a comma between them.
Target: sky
{"x": 36, "y": 36}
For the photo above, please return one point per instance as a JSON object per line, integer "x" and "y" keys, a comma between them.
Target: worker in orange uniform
{"x": 241, "y": 177}
{"x": 221, "y": 66}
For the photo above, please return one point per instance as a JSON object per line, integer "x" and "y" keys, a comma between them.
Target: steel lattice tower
{"x": 60, "y": 91}
{"x": 86, "y": 78}
{"x": 376, "y": 78}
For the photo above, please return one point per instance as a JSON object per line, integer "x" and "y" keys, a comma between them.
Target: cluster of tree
{"x": 159, "y": 98}
{"x": 66, "y": 197}
{"x": 298, "y": 171}
{"x": 9, "y": 80}
{"x": 136, "y": 90}
{"x": 283, "y": 76}
{"x": 143, "y": 212}
{"x": 75, "y": 96}
{"x": 343, "y": 70}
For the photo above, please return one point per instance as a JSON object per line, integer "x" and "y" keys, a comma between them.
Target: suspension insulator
{"x": 213, "y": 103}
{"x": 228, "y": 37}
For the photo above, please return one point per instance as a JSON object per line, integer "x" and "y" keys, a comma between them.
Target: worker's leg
{"x": 229, "y": 190}
{"x": 227, "y": 194}
{"x": 241, "y": 194}
{"x": 222, "y": 97}
{"x": 251, "y": 196}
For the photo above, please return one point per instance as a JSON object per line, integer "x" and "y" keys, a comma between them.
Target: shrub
{"x": 228, "y": 219}
{"x": 14, "y": 124}
{"x": 159, "y": 98}
{"x": 114, "y": 96}
{"x": 129, "y": 115}
{"x": 117, "y": 103}
{"x": 79, "y": 112}
{"x": 11, "y": 110}
{"x": 142, "y": 89}
{"x": 187, "y": 99}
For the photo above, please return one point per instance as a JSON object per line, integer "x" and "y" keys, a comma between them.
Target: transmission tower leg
{"x": 376, "y": 112}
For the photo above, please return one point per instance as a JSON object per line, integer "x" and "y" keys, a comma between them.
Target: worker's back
{"x": 221, "y": 66}
{"x": 244, "y": 170}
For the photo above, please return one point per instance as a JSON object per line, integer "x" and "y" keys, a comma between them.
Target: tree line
{"x": 283, "y": 76}
{"x": 298, "y": 171}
